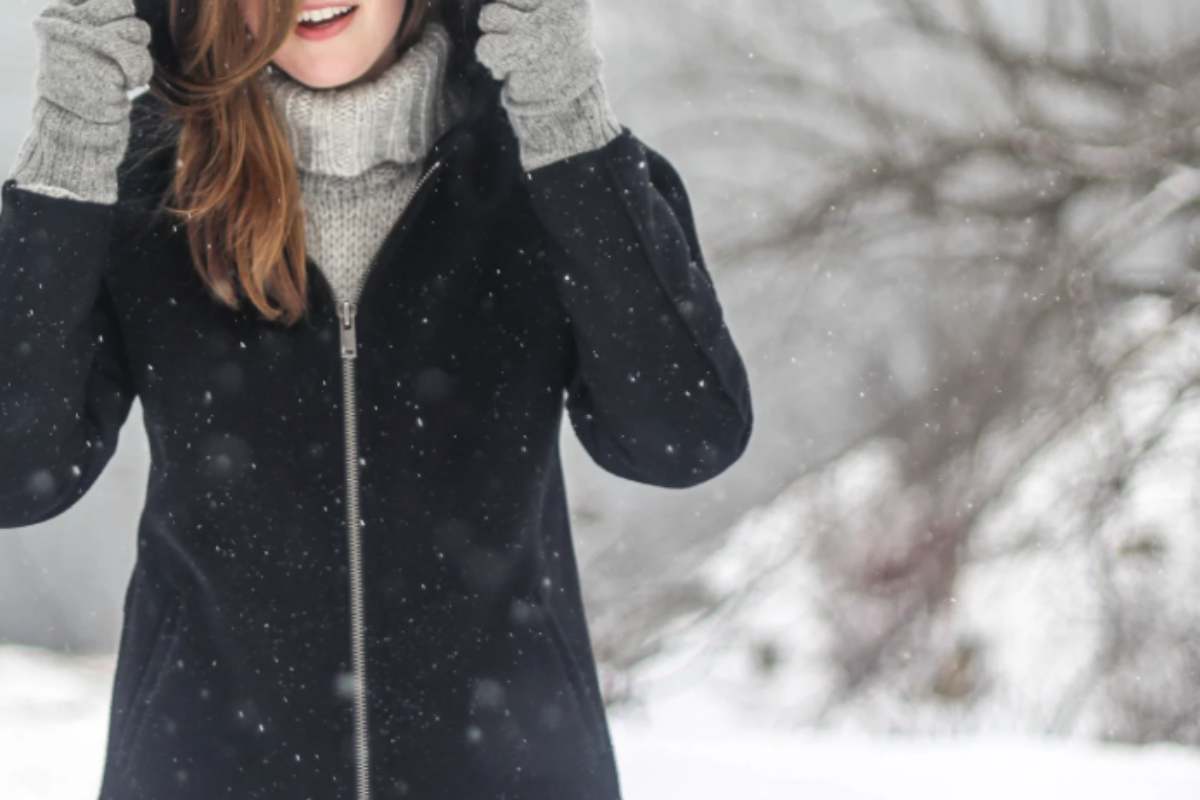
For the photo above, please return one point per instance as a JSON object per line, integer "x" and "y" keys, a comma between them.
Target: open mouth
{"x": 325, "y": 18}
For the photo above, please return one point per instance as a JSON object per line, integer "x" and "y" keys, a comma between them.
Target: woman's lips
{"x": 328, "y": 29}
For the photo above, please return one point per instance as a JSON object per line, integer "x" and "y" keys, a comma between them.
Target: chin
{"x": 316, "y": 77}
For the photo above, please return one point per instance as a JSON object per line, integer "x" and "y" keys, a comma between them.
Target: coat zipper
{"x": 347, "y": 311}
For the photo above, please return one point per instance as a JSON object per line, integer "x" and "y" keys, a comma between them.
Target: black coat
{"x": 385, "y": 501}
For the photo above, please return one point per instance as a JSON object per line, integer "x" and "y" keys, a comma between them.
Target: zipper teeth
{"x": 347, "y": 312}
{"x": 357, "y": 626}
{"x": 421, "y": 181}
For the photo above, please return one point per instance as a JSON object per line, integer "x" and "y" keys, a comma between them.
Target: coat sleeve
{"x": 657, "y": 391}
{"x": 65, "y": 389}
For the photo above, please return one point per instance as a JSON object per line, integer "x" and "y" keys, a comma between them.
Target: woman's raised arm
{"x": 65, "y": 389}
{"x": 658, "y": 392}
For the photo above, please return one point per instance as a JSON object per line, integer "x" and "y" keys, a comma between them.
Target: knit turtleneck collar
{"x": 397, "y": 116}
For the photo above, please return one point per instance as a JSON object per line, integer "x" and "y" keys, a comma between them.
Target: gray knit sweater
{"x": 358, "y": 148}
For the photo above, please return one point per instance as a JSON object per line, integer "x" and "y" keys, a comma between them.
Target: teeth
{"x": 322, "y": 14}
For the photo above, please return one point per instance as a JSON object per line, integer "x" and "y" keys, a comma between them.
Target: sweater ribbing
{"x": 359, "y": 150}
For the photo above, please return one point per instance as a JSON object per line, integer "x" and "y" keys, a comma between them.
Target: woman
{"x": 355, "y": 575}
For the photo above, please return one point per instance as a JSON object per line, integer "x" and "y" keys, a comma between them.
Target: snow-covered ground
{"x": 53, "y": 714}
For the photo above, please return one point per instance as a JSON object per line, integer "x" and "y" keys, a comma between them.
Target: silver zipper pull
{"x": 349, "y": 336}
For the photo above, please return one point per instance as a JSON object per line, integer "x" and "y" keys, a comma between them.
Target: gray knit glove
{"x": 545, "y": 52}
{"x": 92, "y": 52}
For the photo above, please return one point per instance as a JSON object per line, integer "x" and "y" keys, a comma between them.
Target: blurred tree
{"x": 1009, "y": 188}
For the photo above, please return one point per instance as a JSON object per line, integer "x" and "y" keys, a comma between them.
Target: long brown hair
{"x": 235, "y": 185}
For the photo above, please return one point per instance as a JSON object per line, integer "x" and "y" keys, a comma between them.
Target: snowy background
{"x": 54, "y": 711}
{"x": 956, "y": 243}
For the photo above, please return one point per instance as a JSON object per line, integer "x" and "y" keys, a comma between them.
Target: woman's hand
{"x": 545, "y": 53}
{"x": 542, "y": 49}
{"x": 91, "y": 53}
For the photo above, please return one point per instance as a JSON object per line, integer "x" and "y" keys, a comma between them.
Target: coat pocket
{"x": 584, "y": 701}
{"x": 527, "y": 711}
{"x": 162, "y": 649}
